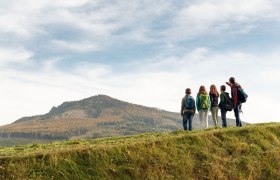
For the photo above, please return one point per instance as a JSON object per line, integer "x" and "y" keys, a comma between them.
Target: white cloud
{"x": 14, "y": 55}
{"x": 26, "y": 17}
{"x": 215, "y": 16}
{"x": 68, "y": 3}
{"x": 21, "y": 18}
{"x": 110, "y": 23}
{"x": 83, "y": 46}
{"x": 271, "y": 76}
{"x": 261, "y": 107}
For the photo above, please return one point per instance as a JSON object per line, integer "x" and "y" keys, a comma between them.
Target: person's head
{"x": 223, "y": 88}
{"x": 202, "y": 90}
{"x": 232, "y": 80}
{"x": 213, "y": 89}
{"x": 188, "y": 91}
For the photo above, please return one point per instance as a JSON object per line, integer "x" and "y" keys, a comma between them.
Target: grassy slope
{"x": 251, "y": 152}
{"x": 19, "y": 141}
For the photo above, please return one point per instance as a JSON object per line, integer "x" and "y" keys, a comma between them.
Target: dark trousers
{"x": 224, "y": 117}
{"x": 237, "y": 110}
{"x": 187, "y": 120}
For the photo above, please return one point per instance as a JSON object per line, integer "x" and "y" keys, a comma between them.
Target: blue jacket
{"x": 198, "y": 106}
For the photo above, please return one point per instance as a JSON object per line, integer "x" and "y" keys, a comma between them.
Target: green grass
{"x": 19, "y": 141}
{"x": 251, "y": 152}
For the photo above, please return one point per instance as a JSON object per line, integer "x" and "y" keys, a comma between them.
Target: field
{"x": 251, "y": 152}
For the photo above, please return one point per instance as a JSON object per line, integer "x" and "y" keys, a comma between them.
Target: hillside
{"x": 94, "y": 117}
{"x": 251, "y": 152}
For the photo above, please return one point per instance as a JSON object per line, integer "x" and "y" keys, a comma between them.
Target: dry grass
{"x": 251, "y": 152}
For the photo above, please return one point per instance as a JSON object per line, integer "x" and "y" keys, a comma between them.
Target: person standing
{"x": 188, "y": 110}
{"x": 214, "y": 99}
{"x": 225, "y": 105}
{"x": 236, "y": 104}
{"x": 203, "y": 105}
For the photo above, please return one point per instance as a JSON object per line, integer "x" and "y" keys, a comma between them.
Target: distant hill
{"x": 251, "y": 152}
{"x": 95, "y": 117}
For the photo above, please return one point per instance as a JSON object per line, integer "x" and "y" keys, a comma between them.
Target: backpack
{"x": 214, "y": 98}
{"x": 227, "y": 105}
{"x": 189, "y": 103}
{"x": 242, "y": 96}
{"x": 204, "y": 101}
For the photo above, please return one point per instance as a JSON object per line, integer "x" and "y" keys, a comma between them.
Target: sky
{"x": 144, "y": 52}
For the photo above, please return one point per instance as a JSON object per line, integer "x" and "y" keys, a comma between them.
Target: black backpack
{"x": 227, "y": 104}
{"x": 242, "y": 96}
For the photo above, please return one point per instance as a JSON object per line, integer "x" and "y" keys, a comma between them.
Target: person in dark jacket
{"x": 214, "y": 98}
{"x": 223, "y": 97}
{"x": 188, "y": 110}
{"x": 236, "y": 104}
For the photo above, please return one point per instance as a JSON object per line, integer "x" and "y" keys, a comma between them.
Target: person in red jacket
{"x": 236, "y": 104}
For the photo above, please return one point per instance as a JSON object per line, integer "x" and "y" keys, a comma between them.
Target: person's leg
{"x": 224, "y": 118}
{"x": 237, "y": 115}
{"x": 206, "y": 117}
{"x": 213, "y": 116}
{"x": 239, "y": 110}
{"x": 185, "y": 121}
{"x": 216, "y": 114}
{"x": 190, "y": 121}
{"x": 201, "y": 118}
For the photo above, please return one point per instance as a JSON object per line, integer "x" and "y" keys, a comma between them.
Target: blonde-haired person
{"x": 214, "y": 99}
{"x": 203, "y": 105}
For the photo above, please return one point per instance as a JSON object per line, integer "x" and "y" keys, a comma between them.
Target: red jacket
{"x": 234, "y": 92}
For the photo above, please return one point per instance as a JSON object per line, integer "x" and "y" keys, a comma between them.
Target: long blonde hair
{"x": 213, "y": 89}
{"x": 202, "y": 90}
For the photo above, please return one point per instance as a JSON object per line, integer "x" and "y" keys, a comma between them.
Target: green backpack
{"x": 204, "y": 101}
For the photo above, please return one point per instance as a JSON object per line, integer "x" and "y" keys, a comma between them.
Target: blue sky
{"x": 144, "y": 52}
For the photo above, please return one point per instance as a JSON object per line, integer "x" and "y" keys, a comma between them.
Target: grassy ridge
{"x": 251, "y": 152}
{"x": 19, "y": 141}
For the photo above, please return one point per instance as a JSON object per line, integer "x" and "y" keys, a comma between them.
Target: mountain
{"x": 251, "y": 152}
{"x": 95, "y": 117}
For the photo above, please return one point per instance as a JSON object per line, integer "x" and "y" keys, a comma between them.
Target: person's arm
{"x": 221, "y": 100}
{"x": 211, "y": 99}
{"x": 229, "y": 84}
{"x": 182, "y": 106}
{"x": 209, "y": 102}
{"x": 197, "y": 103}
{"x": 194, "y": 109}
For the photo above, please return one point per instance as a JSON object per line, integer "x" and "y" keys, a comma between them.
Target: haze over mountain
{"x": 94, "y": 117}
